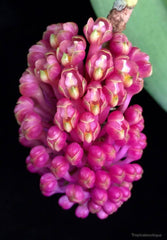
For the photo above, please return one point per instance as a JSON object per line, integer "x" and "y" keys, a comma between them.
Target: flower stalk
{"x": 120, "y": 14}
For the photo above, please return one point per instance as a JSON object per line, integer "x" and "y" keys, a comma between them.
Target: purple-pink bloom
{"x": 103, "y": 179}
{"x": 74, "y": 154}
{"x": 56, "y": 139}
{"x": 99, "y": 31}
{"x": 142, "y": 60}
{"x": 66, "y": 117}
{"x": 96, "y": 157}
{"x": 88, "y": 127}
{"x": 119, "y": 44}
{"x": 99, "y": 196}
{"x": 39, "y": 156}
{"x": 117, "y": 126}
{"x": 24, "y": 105}
{"x": 82, "y": 211}
{"x": 117, "y": 174}
{"x": 100, "y": 65}
{"x": 114, "y": 90}
{"x": 31, "y": 126}
{"x": 75, "y": 193}
{"x": 59, "y": 167}
{"x": 48, "y": 184}
{"x": 86, "y": 177}
{"x": 76, "y": 118}
{"x": 71, "y": 52}
{"x": 94, "y": 100}
{"x": 64, "y": 202}
{"x": 72, "y": 84}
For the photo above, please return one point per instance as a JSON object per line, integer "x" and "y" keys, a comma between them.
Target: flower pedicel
{"x": 75, "y": 116}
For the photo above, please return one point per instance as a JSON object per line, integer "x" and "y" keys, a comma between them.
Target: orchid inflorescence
{"x": 75, "y": 116}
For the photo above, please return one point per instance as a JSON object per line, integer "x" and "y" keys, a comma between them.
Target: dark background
{"x": 26, "y": 214}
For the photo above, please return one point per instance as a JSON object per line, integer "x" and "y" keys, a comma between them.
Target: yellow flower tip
{"x": 95, "y": 108}
{"x": 67, "y": 125}
{"x": 74, "y": 92}
{"x": 88, "y": 137}
{"x": 128, "y": 80}
{"x": 44, "y": 75}
{"x": 131, "y": 3}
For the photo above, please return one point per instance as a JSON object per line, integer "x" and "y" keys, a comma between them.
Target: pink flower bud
{"x": 137, "y": 86}
{"x": 59, "y": 166}
{"x": 30, "y": 167}
{"x": 56, "y": 39}
{"x": 119, "y": 44}
{"x": 128, "y": 185}
{"x": 56, "y": 33}
{"x": 102, "y": 214}
{"x": 119, "y": 204}
{"x": 135, "y": 152}
{"x": 133, "y": 114}
{"x": 88, "y": 127}
{"x": 130, "y": 172}
{"x": 71, "y": 27}
{"x": 126, "y": 193}
{"x": 140, "y": 124}
{"x": 134, "y": 135}
{"x": 29, "y": 86}
{"x": 99, "y": 196}
{"x": 27, "y": 142}
{"x": 31, "y": 126}
{"x": 103, "y": 179}
{"x": 93, "y": 207}
{"x": 117, "y": 126}
{"x": 72, "y": 84}
{"x": 53, "y": 28}
{"x": 48, "y": 68}
{"x": 82, "y": 211}
{"x": 114, "y": 90}
{"x": 65, "y": 203}
{"x": 99, "y": 31}
{"x": 110, "y": 207}
{"x": 129, "y": 71}
{"x": 74, "y": 154}
{"x": 115, "y": 194}
{"x": 24, "y": 105}
{"x": 96, "y": 157}
{"x": 94, "y": 100}
{"x": 110, "y": 153}
{"x": 139, "y": 171}
{"x": 39, "y": 156}
{"x": 75, "y": 193}
{"x": 86, "y": 177}
{"x": 36, "y": 52}
{"x": 143, "y": 141}
{"x": 100, "y": 65}
{"x": 117, "y": 174}
{"x": 56, "y": 138}
{"x": 67, "y": 115}
{"x": 142, "y": 60}
{"x": 48, "y": 184}
{"x": 71, "y": 52}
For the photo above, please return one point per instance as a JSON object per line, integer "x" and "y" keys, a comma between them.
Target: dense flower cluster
{"x": 75, "y": 116}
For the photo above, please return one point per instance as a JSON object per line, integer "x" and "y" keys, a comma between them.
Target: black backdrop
{"x": 26, "y": 214}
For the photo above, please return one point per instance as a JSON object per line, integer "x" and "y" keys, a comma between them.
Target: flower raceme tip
{"x": 75, "y": 115}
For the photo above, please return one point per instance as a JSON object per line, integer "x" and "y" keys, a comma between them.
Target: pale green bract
{"x": 147, "y": 29}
